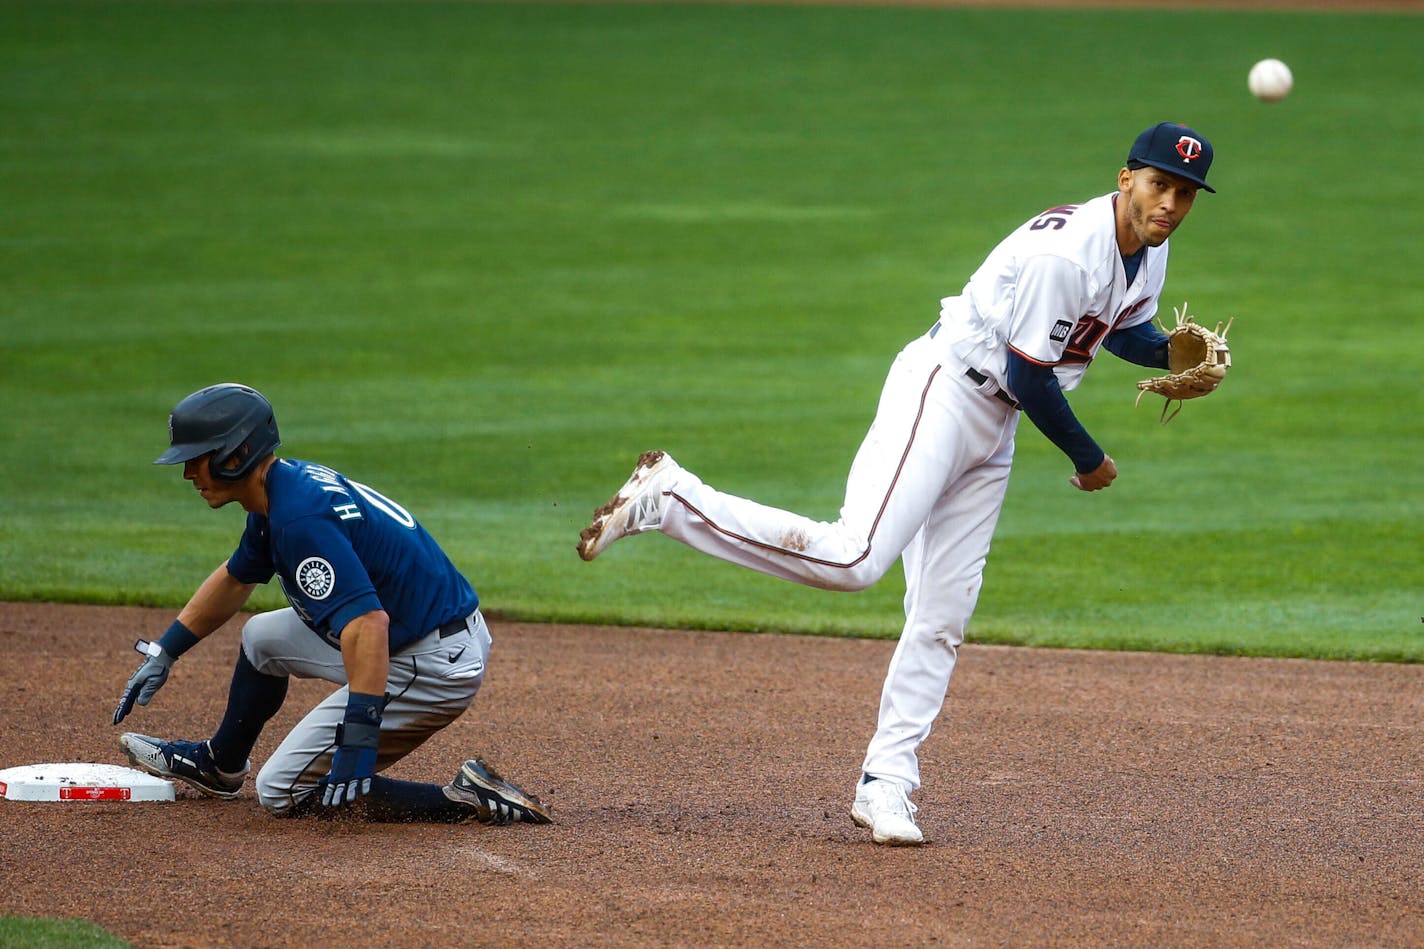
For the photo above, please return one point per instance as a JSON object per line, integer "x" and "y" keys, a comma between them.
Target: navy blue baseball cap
{"x": 1175, "y": 148}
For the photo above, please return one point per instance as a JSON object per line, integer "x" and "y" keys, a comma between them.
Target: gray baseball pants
{"x": 431, "y": 682}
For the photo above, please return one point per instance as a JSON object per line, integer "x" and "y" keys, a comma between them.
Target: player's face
{"x": 1157, "y": 201}
{"x": 199, "y": 471}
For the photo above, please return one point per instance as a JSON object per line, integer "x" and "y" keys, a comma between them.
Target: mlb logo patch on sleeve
{"x": 1060, "y": 331}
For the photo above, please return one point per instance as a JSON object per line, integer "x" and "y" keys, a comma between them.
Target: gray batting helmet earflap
{"x": 230, "y": 420}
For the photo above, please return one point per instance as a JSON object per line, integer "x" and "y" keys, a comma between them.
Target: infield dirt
{"x": 701, "y": 785}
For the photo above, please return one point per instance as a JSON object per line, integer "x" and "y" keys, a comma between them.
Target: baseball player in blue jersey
{"x": 930, "y": 477}
{"x": 376, "y": 608}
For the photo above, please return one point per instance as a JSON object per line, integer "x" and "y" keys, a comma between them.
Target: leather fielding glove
{"x": 1198, "y": 360}
{"x": 146, "y": 680}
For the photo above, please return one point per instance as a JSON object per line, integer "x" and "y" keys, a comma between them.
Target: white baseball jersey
{"x": 1052, "y": 291}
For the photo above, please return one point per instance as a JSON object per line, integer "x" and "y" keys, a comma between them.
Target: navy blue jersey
{"x": 341, "y": 549}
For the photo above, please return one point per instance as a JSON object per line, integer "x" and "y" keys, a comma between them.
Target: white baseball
{"x": 1270, "y": 80}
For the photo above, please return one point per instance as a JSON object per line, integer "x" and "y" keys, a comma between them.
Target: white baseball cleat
{"x": 637, "y": 507}
{"x": 884, "y": 807}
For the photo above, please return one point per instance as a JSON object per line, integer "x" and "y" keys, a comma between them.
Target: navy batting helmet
{"x": 229, "y": 420}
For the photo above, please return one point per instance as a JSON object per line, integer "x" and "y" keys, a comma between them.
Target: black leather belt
{"x": 455, "y": 626}
{"x": 978, "y": 378}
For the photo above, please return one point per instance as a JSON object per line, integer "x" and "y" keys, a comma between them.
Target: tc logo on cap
{"x": 1188, "y": 148}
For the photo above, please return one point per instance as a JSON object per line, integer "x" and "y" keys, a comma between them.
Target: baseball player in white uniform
{"x": 929, "y": 479}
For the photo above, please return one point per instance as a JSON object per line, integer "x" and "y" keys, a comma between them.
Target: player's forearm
{"x": 1144, "y": 345}
{"x": 1037, "y": 391}
{"x": 365, "y": 651}
{"x": 217, "y": 600}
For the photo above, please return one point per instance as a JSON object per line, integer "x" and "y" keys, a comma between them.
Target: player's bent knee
{"x": 260, "y": 637}
{"x": 854, "y": 578}
{"x": 284, "y": 804}
{"x": 276, "y": 808}
{"x": 280, "y": 792}
{"x": 849, "y": 581}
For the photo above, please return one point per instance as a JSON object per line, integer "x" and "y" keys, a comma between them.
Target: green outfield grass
{"x": 481, "y": 256}
{"x": 35, "y": 933}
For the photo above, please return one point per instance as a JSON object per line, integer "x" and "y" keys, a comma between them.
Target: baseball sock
{"x": 392, "y": 801}
{"x": 252, "y": 699}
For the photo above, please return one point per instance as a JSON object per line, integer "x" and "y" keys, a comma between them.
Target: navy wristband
{"x": 363, "y": 709}
{"x": 177, "y": 640}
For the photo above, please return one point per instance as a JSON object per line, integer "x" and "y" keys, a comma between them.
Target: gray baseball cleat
{"x": 189, "y": 761}
{"x": 884, "y": 807}
{"x": 495, "y": 800}
{"x": 637, "y": 507}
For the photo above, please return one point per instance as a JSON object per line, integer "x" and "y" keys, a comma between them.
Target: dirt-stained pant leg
{"x": 431, "y": 683}
{"x": 930, "y": 427}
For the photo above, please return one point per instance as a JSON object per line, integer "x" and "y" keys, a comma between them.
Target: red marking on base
{"x": 4, "y": 789}
{"x": 93, "y": 794}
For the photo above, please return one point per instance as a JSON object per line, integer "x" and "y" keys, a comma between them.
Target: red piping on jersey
{"x": 1030, "y": 358}
{"x": 884, "y": 503}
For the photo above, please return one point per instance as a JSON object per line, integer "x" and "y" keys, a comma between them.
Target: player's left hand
{"x": 1197, "y": 359}
{"x": 353, "y": 766}
{"x": 146, "y": 680}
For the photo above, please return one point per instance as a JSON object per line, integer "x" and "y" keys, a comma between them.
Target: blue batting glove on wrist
{"x": 354, "y": 763}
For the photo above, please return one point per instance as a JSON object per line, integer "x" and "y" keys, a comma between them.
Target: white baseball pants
{"x": 927, "y": 484}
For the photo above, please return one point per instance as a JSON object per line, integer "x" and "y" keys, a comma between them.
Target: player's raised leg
{"x": 929, "y": 427}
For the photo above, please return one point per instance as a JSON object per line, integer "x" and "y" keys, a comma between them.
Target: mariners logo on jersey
{"x": 316, "y": 578}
